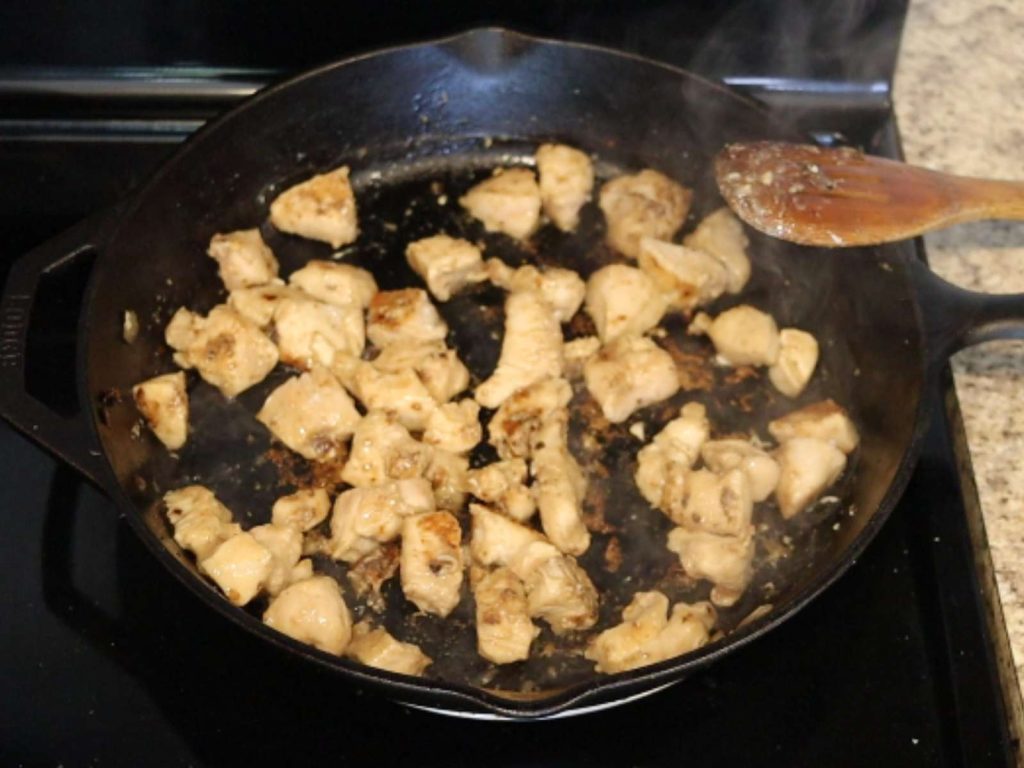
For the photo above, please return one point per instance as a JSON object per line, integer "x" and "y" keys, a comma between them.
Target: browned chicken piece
{"x": 163, "y": 402}
{"x": 741, "y": 335}
{"x": 504, "y": 631}
{"x": 566, "y": 182}
{"x": 257, "y": 304}
{"x": 313, "y": 612}
{"x": 662, "y": 466}
{"x": 824, "y": 420}
{"x": 447, "y": 473}
{"x": 496, "y": 539}
{"x": 629, "y": 374}
{"x": 513, "y": 426}
{"x": 623, "y": 301}
{"x": 687, "y": 277}
{"x": 401, "y": 394}
{"x": 559, "y": 487}
{"x": 312, "y": 414}
{"x": 321, "y": 208}
{"x": 563, "y": 289}
{"x": 798, "y": 356}
{"x": 285, "y": 546}
{"x": 303, "y": 510}
{"x": 201, "y": 523}
{"x": 648, "y": 634}
{"x": 404, "y": 316}
{"x": 761, "y": 469}
{"x": 721, "y": 235}
{"x": 446, "y": 264}
{"x": 244, "y": 260}
{"x": 240, "y": 567}
{"x": 343, "y": 285}
{"x": 645, "y": 204}
{"x": 298, "y": 321}
{"x": 438, "y": 367}
{"x": 557, "y": 589}
{"x": 530, "y": 351}
{"x": 577, "y": 353}
{"x": 503, "y": 484}
{"x": 365, "y": 518}
{"x": 382, "y": 450}
{"x": 725, "y": 561}
{"x": 719, "y": 504}
{"x": 508, "y": 202}
{"x": 431, "y": 562}
{"x": 807, "y": 466}
{"x": 376, "y": 648}
{"x": 227, "y": 350}
{"x": 454, "y": 427}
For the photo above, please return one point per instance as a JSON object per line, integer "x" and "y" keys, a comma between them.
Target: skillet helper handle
{"x": 68, "y": 438}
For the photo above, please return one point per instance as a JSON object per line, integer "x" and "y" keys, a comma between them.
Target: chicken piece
{"x": 689, "y": 278}
{"x": 577, "y": 352}
{"x": 201, "y": 523}
{"x": 431, "y": 563}
{"x": 303, "y": 510}
{"x": 257, "y": 304}
{"x": 647, "y": 635}
{"x": 447, "y": 475}
{"x": 298, "y": 321}
{"x": 798, "y": 356}
{"x": 628, "y": 374}
{"x": 559, "y": 488}
{"x": 312, "y": 414}
{"x": 244, "y": 260}
{"x": 508, "y": 202}
{"x": 645, "y": 204}
{"x": 285, "y": 546}
{"x": 376, "y": 648}
{"x": 824, "y": 420}
{"x": 725, "y": 561}
{"x": 719, "y": 504}
{"x": 382, "y": 450}
{"x": 446, "y": 264}
{"x": 240, "y": 566}
{"x": 566, "y": 182}
{"x": 497, "y": 540}
{"x": 664, "y": 464}
{"x": 401, "y": 394}
{"x": 365, "y": 518}
{"x": 454, "y": 427}
{"x": 741, "y": 335}
{"x": 229, "y": 352}
{"x": 562, "y": 288}
{"x": 314, "y": 612}
{"x": 321, "y": 208}
{"x": 404, "y": 316}
{"x": 342, "y": 285}
{"x": 807, "y": 466}
{"x": 557, "y": 589}
{"x": 761, "y": 469}
{"x": 504, "y": 631}
{"x": 503, "y": 484}
{"x": 438, "y": 367}
{"x": 623, "y": 301}
{"x": 163, "y": 402}
{"x": 721, "y": 235}
{"x": 530, "y": 352}
{"x": 512, "y": 428}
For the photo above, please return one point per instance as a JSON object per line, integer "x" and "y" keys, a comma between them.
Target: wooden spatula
{"x": 842, "y": 197}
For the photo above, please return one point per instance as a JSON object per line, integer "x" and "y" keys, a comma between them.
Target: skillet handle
{"x": 67, "y": 437}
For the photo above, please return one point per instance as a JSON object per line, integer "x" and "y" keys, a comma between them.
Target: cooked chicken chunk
{"x": 163, "y": 402}
{"x": 454, "y": 427}
{"x": 725, "y": 561}
{"x": 563, "y": 289}
{"x": 798, "y": 355}
{"x": 376, "y": 648}
{"x": 240, "y": 567}
{"x": 645, "y": 204}
{"x": 531, "y": 350}
{"x": 431, "y": 563}
{"x": 228, "y": 351}
{"x": 566, "y": 181}
{"x": 507, "y": 202}
{"x": 243, "y": 259}
{"x": 721, "y": 235}
{"x": 824, "y": 420}
{"x": 719, "y": 504}
{"x": 303, "y": 510}
{"x": 201, "y": 523}
{"x": 401, "y": 394}
{"x": 322, "y": 208}
{"x": 404, "y": 316}
{"x": 648, "y": 635}
{"x": 559, "y": 488}
{"x": 496, "y": 539}
{"x": 314, "y": 612}
{"x": 623, "y": 301}
{"x": 382, "y": 450}
{"x": 689, "y": 278}
{"x": 577, "y": 352}
{"x": 741, "y": 335}
{"x": 312, "y": 414}
{"x": 503, "y": 484}
{"x": 504, "y": 631}
{"x": 340, "y": 284}
{"x": 761, "y": 469}
{"x": 365, "y": 518}
{"x": 630, "y": 373}
{"x": 299, "y": 321}
{"x": 663, "y": 465}
{"x": 557, "y": 589}
{"x": 447, "y": 475}
{"x": 285, "y": 546}
{"x": 438, "y": 367}
{"x": 446, "y": 264}
{"x": 257, "y": 304}
{"x": 807, "y": 466}
{"x": 512, "y": 428}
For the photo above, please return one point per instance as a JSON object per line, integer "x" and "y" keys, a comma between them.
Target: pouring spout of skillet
{"x": 843, "y": 198}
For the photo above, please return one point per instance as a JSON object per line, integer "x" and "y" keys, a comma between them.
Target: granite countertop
{"x": 959, "y": 98}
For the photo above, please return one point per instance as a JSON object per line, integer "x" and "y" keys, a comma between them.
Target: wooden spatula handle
{"x": 987, "y": 198}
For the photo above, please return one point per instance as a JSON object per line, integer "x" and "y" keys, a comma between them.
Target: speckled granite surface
{"x": 960, "y": 105}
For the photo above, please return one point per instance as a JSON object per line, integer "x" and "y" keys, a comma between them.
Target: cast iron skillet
{"x": 446, "y": 112}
